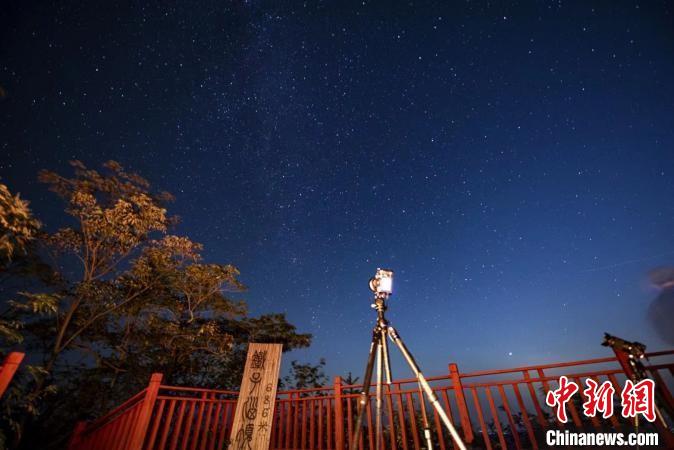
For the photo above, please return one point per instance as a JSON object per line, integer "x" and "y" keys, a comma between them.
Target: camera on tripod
{"x": 635, "y": 349}
{"x": 382, "y": 282}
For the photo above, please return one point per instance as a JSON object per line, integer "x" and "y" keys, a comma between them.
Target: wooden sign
{"x": 254, "y": 415}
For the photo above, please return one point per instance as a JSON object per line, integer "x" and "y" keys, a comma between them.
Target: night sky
{"x": 513, "y": 163}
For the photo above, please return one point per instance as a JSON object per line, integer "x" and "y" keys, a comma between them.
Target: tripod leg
{"x": 387, "y": 387}
{"x": 387, "y": 363}
{"x": 426, "y": 387}
{"x": 378, "y": 398}
{"x": 364, "y": 399}
{"x": 424, "y": 419}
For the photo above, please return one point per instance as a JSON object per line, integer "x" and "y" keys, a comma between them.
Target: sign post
{"x": 254, "y": 415}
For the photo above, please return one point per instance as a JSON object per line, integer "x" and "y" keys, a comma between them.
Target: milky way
{"x": 514, "y": 164}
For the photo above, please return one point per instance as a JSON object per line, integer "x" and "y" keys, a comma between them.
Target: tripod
{"x": 379, "y": 351}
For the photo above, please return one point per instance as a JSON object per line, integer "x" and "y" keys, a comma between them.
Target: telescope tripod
{"x": 379, "y": 352}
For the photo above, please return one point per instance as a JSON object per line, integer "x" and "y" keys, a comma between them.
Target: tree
{"x": 350, "y": 380}
{"x": 17, "y": 225}
{"x": 131, "y": 299}
{"x": 114, "y": 215}
{"x": 306, "y": 376}
{"x": 18, "y": 229}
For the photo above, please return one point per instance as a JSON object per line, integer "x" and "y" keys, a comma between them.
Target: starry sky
{"x": 512, "y": 162}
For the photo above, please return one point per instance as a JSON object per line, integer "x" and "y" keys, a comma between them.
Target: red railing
{"x": 491, "y": 409}
{"x": 8, "y": 369}
{"x": 125, "y": 427}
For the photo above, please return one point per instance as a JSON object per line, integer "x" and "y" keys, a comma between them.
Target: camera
{"x": 635, "y": 349}
{"x": 382, "y": 282}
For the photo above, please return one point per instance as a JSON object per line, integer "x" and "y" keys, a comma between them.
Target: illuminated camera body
{"x": 382, "y": 282}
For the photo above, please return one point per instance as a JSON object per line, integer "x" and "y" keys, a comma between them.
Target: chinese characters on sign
{"x": 635, "y": 398}
{"x": 255, "y": 408}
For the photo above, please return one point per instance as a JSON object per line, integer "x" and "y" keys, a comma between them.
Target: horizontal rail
{"x": 194, "y": 389}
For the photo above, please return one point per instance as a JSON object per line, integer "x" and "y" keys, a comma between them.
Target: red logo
{"x": 638, "y": 399}
{"x": 635, "y": 399}
{"x": 599, "y": 398}
{"x": 561, "y": 396}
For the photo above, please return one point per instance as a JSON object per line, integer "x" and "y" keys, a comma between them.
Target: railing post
{"x": 74, "y": 442}
{"x": 339, "y": 415}
{"x": 9, "y": 367}
{"x": 461, "y": 403}
{"x": 145, "y": 414}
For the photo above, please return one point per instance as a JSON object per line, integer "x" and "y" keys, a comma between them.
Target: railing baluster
{"x": 215, "y": 421}
{"x": 224, "y": 421}
{"x": 206, "y": 430}
{"x": 534, "y": 399}
{"x": 511, "y": 422}
{"x": 289, "y": 414}
{"x": 448, "y": 409}
{"x": 438, "y": 429}
{"x": 349, "y": 420}
{"x": 216, "y": 424}
{"x": 156, "y": 419}
{"x": 339, "y": 414}
{"x": 303, "y": 426}
{"x": 277, "y": 431}
{"x": 401, "y": 416}
{"x": 179, "y": 423}
{"x": 370, "y": 425}
{"x": 200, "y": 418}
{"x": 271, "y": 421}
{"x": 321, "y": 444}
{"x": 389, "y": 413}
{"x": 525, "y": 416}
{"x": 127, "y": 429}
{"x": 126, "y": 433}
{"x": 480, "y": 416}
{"x": 361, "y": 436}
{"x": 312, "y": 408}
{"x": 328, "y": 417}
{"x": 546, "y": 389}
{"x": 413, "y": 420}
{"x": 296, "y": 424}
{"x": 494, "y": 414}
{"x": 188, "y": 424}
